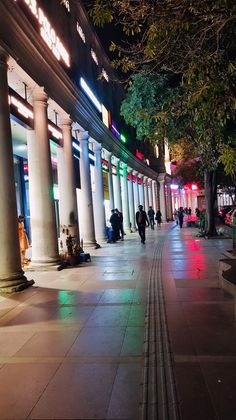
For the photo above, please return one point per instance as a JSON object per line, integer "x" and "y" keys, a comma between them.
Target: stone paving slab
{"x": 71, "y": 347}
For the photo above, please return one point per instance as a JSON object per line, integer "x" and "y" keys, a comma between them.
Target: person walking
{"x": 181, "y": 217}
{"x": 151, "y": 214}
{"x": 142, "y": 222}
{"x": 158, "y": 218}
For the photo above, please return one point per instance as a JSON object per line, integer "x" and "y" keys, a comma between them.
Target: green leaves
{"x": 101, "y": 13}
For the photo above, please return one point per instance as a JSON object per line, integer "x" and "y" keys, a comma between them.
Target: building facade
{"x": 67, "y": 157}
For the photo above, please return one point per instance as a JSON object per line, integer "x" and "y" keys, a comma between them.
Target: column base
{"x": 44, "y": 265}
{"x": 90, "y": 245}
{"x": 13, "y": 286}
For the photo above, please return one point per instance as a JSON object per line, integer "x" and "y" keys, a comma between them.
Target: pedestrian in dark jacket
{"x": 151, "y": 214}
{"x": 142, "y": 222}
{"x": 158, "y": 218}
{"x": 121, "y": 228}
{"x": 115, "y": 221}
{"x": 181, "y": 217}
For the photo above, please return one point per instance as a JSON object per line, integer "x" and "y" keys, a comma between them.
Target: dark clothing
{"x": 115, "y": 221}
{"x": 151, "y": 214}
{"x": 142, "y": 221}
{"x": 120, "y": 227}
{"x": 158, "y": 217}
{"x": 181, "y": 218}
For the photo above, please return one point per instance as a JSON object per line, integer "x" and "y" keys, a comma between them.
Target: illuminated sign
{"x": 76, "y": 146}
{"x": 105, "y": 75}
{"x": 138, "y": 154}
{"x": 55, "y": 132}
{"x": 105, "y": 116}
{"x": 114, "y": 130}
{"x": 48, "y": 33}
{"x": 105, "y": 165}
{"x": 94, "y": 57}
{"x": 174, "y": 186}
{"x": 66, "y": 4}
{"x": 92, "y": 157}
{"x": 81, "y": 32}
{"x": 21, "y": 108}
{"x": 114, "y": 170}
{"x": 90, "y": 94}
{"x": 123, "y": 138}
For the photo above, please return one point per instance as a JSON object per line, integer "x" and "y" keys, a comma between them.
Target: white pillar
{"x": 169, "y": 203}
{"x": 141, "y": 191}
{"x": 85, "y": 205}
{"x": 146, "y": 206}
{"x": 99, "y": 213}
{"x": 66, "y": 183}
{"x": 131, "y": 202}
{"x": 11, "y": 274}
{"x": 42, "y": 207}
{"x": 110, "y": 181}
{"x": 154, "y": 195}
{"x": 125, "y": 199}
{"x": 136, "y": 193}
{"x": 161, "y": 179}
{"x": 117, "y": 188}
{"x": 150, "y": 194}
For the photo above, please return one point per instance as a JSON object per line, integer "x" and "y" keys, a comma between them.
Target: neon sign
{"x": 56, "y": 133}
{"x": 90, "y": 94}
{"x": 138, "y": 154}
{"x": 94, "y": 56}
{"x": 114, "y": 130}
{"x": 48, "y": 33}
{"x": 21, "y": 108}
{"x": 80, "y": 32}
{"x": 105, "y": 116}
{"x": 105, "y": 75}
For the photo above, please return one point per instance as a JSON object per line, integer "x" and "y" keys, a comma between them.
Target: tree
{"x": 197, "y": 41}
{"x": 194, "y": 117}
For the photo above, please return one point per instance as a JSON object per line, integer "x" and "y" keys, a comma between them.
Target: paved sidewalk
{"x": 201, "y": 325}
{"x": 71, "y": 347}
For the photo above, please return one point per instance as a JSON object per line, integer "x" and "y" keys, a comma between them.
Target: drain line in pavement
{"x": 158, "y": 396}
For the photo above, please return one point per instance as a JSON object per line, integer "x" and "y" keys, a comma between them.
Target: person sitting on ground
{"x": 142, "y": 222}
{"x": 151, "y": 214}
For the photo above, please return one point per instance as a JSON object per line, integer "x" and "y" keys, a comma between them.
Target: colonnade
{"x": 82, "y": 213}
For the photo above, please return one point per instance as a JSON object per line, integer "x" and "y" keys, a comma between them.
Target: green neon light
{"x": 123, "y": 138}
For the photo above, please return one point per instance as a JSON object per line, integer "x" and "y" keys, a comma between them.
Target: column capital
{"x": 66, "y": 121}
{"x": 83, "y": 136}
{"x": 108, "y": 154}
{"x": 161, "y": 177}
{"x": 39, "y": 95}
{"x": 97, "y": 147}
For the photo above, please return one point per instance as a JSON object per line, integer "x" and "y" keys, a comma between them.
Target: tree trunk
{"x": 210, "y": 196}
